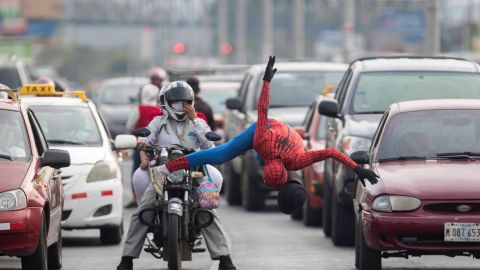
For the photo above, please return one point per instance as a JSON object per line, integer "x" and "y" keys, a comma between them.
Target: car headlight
{"x": 103, "y": 170}
{"x": 13, "y": 200}
{"x": 176, "y": 176}
{"x": 352, "y": 144}
{"x": 395, "y": 203}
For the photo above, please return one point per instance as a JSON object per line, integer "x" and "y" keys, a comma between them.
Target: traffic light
{"x": 179, "y": 48}
{"x": 226, "y": 48}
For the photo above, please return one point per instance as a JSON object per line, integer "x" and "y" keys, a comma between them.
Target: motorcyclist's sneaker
{"x": 125, "y": 264}
{"x": 226, "y": 263}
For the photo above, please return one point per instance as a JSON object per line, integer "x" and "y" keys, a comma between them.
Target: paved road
{"x": 267, "y": 240}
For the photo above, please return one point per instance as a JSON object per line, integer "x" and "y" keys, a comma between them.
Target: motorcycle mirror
{"x": 212, "y": 136}
{"x": 141, "y": 132}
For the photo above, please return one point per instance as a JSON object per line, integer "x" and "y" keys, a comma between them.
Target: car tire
{"x": 39, "y": 259}
{"x": 253, "y": 197}
{"x": 343, "y": 225}
{"x": 232, "y": 187}
{"x": 327, "y": 209}
{"x": 55, "y": 253}
{"x": 111, "y": 235}
{"x": 369, "y": 259}
{"x": 297, "y": 214}
{"x": 311, "y": 217}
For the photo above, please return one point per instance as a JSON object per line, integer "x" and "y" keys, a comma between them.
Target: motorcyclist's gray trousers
{"x": 214, "y": 235}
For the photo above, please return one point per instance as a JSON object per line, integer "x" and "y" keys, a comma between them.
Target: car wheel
{"x": 38, "y": 260}
{"x": 55, "y": 253}
{"x": 232, "y": 186}
{"x": 327, "y": 209}
{"x": 369, "y": 259}
{"x": 253, "y": 197}
{"x": 343, "y": 226}
{"x": 311, "y": 217}
{"x": 111, "y": 235}
{"x": 297, "y": 214}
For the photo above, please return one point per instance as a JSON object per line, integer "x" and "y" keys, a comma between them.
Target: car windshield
{"x": 13, "y": 137}
{"x": 68, "y": 125}
{"x": 9, "y": 76}
{"x": 375, "y": 91}
{"x": 217, "y": 94}
{"x": 298, "y": 89}
{"x": 430, "y": 133}
{"x": 119, "y": 94}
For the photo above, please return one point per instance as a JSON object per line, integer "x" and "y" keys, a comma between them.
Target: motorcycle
{"x": 177, "y": 216}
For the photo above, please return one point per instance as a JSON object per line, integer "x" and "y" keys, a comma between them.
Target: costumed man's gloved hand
{"x": 269, "y": 70}
{"x": 368, "y": 174}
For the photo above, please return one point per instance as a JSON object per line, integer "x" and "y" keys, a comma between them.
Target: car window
{"x": 216, "y": 95}
{"x": 243, "y": 90}
{"x": 426, "y": 133}
{"x": 119, "y": 94}
{"x": 322, "y": 128}
{"x": 14, "y": 143}
{"x": 377, "y": 135}
{"x": 10, "y": 77}
{"x": 68, "y": 125}
{"x": 40, "y": 141}
{"x": 375, "y": 91}
{"x": 298, "y": 89}
{"x": 307, "y": 121}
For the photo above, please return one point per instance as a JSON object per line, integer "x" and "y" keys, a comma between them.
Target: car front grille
{"x": 451, "y": 208}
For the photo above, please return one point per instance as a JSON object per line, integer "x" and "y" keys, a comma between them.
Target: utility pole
{"x": 432, "y": 35}
{"x": 222, "y": 27}
{"x": 267, "y": 46}
{"x": 240, "y": 33}
{"x": 348, "y": 29}
{"x": 299, "y": 29}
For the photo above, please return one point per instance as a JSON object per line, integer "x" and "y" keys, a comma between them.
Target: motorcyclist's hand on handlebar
{"x": 144, "y": 164}
{"x": 190, "y": 111}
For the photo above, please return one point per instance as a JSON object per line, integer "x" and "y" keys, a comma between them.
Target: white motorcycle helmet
{"x": 175, "y": 92}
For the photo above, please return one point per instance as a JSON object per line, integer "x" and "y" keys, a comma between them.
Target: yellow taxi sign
{"x": 49, "y": 90}
{"x": 38, "y": 89}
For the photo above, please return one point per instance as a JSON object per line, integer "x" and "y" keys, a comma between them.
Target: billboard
{"x": 50, "y": 10}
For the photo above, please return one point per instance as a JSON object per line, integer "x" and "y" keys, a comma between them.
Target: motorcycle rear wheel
{"x": 174, "y": 243}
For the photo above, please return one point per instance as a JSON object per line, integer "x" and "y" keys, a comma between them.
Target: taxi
{"x": 93, "y": 182}
{"x": 31, "y": 193}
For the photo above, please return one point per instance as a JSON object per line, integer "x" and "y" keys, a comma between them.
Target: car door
{"x": 51, "y": 180}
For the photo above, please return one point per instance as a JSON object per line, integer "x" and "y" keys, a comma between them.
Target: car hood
{"x": 116, "y": 112}
{"x": 292, "y": 116}
{"x": 431, "y": 180}
{"x": 12, "y": 174}
{"x": 362, "y": 125}
{"x": 83, "y": 155}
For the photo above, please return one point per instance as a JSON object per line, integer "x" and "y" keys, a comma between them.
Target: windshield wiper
{"x": 64, "y": 142}
{"x": 402, "y": 158}
{"x": 3, "y": 156}
{"x": 459, "y": 155}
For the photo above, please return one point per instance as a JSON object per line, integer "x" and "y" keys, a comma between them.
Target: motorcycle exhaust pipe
{"x": 147, "y": 223}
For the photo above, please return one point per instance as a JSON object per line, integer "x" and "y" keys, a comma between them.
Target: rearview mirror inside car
{"x": 328, "y": 108}
{"x": 125, "y": 141}
{"x": 234, "y": 104}
{"x": 55, "y": 158}
{"x": 361, "y": 157}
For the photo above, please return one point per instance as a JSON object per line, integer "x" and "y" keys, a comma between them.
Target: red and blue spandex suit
{"x": 280, "y": 146}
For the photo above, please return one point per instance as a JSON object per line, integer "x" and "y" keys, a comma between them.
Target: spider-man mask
{"x": 275, "y": 173}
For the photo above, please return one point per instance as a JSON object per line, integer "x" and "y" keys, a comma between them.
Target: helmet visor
{"x": 179, "y": 94}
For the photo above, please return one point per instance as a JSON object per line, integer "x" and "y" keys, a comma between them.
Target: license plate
{"x": 462, "y": 232}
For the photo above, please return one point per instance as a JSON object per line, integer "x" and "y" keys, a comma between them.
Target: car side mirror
{"x": 141, "y": 132}
{"x": 361, "y": 157}
{"x": 55, "y": 158}
{"x": 234, "y": 104}
{"x": 329, "y": 108}
{"x": 302, "y": 132}
{"x": 125, "y": 141}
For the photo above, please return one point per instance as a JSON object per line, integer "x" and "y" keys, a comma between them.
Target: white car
{"x": 93, "y": 182}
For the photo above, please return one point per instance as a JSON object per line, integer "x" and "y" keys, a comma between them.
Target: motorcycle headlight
{"x": 176, "y": 176}
{"x": 352, "y": 144}
{"x": 395, "y": 203}
{"x": 103, "y": 170}
{"x": 13, "y": 200}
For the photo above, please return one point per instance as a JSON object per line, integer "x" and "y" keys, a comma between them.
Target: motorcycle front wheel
{"x": 174, "y": 243}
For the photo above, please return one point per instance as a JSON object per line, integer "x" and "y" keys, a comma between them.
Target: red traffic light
{"x": 179, "y": 48}
{"x": 226, "y": 48}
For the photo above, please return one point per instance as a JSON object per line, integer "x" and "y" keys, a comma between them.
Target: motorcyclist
{"x": 180, "y": 125}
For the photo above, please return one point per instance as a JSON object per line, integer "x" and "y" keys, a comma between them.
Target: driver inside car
{"x": 179, "y": 125}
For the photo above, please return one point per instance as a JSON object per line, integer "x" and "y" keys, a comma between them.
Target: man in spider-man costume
{"x": 280, "y": 147}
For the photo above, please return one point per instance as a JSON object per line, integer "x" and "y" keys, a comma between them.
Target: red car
{"x": 31, "y": 191}
{"x": 313, "y": 132}
{"x": 427, "y": 200}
